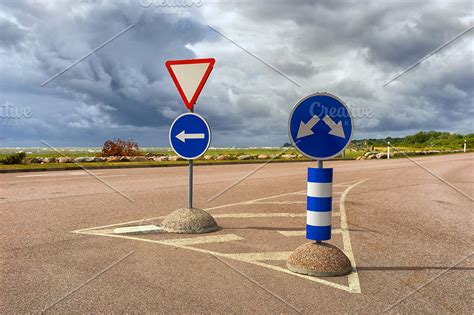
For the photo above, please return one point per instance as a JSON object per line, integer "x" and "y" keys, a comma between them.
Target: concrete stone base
{"x": 319, "y": 259}
{"x": 189, "y": 221}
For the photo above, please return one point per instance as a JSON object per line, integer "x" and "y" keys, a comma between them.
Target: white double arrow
{"x": 306, "y": 128}
{"x": 183, "y": 136}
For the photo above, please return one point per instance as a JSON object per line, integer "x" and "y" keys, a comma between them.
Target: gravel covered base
{"x": 319, "y": 259}
{"x": 189, "y": 221}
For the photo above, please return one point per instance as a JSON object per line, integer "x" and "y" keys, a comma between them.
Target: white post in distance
{"x": 388, "y": 151}
{"x": 465, "y": 146}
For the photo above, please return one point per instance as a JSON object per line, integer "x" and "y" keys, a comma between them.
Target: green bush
{"x": 16, "y": 158}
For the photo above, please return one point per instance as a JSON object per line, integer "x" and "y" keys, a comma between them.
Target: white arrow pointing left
{"x": 183, "y": 136}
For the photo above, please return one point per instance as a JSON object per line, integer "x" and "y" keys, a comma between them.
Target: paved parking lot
{"x": 405, "y": 225}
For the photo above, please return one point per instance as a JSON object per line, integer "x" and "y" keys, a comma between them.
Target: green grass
{"x": 80, "y": 153}
{"x": 214, "y": 152}
{"x": 350, "y": 155}
{"x": 48, "y": 153}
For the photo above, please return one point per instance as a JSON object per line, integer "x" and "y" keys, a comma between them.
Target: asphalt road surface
{"x": 407, "y": 225}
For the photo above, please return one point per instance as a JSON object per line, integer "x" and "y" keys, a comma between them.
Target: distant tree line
{"x": 422, "y": 139}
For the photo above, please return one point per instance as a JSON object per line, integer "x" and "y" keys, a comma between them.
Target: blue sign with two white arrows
{"x": 190, "y": 136}
{"x": 320, "y": 126}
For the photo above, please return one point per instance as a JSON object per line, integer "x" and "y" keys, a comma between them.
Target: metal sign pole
{"x": 190, "y": 189}
{"x": 190, "y": 184}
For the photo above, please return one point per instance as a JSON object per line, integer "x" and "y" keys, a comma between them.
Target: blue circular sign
{"x": 320, "y": 126}
{"x": 190, "y": 136}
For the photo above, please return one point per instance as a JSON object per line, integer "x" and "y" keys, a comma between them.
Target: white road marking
{"x": 259, "y": 256}
{"x": 347, "y": 184}
{"x": 293, "y": 233}
{"x": 116, "y": 224}
{"x": 353, "y": 277}
{"x": 254, "y": 262}
{"x": 202, "y": 240}
{"x": 279, "y": 202}
{"x": 258, "y": 215}
{"x": 254, "y": 258}
{"x": 217, "y": 216}
{"x": 136, "y": 229}
{"x": 102, "y": 228}
{"x": 310, "y": 278}
{"x": 252, "y": 201}
{"x": 303, "y": 192}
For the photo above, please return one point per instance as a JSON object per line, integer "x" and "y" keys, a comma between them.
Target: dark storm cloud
{"x": 386, "y": 37}
{"x": 128, "y": 74}
{"x": 11, "y": 35}
{"x": 348, "y": 48}
{"x": 394, "y": 32}
{"x": 125, "y": 83}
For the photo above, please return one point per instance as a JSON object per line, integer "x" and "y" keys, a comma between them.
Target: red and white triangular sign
{"x": 189, "y": 76}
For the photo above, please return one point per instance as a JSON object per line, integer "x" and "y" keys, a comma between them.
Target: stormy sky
{"x": 290, "y": 49}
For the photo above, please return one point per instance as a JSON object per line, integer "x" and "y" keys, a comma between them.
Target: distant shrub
{"x": 16, "y": 158}
{"x": 119, "y": 147}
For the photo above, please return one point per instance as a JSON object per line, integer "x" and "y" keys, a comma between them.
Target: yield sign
{"x": 189, "y": 76}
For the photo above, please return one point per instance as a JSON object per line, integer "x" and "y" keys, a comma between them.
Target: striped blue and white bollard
{"x": 319, "y": 258}
{"x": 319, "y": 203}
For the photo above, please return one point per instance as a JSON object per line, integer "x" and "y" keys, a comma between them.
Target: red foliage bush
{"x": 119, "y": 147}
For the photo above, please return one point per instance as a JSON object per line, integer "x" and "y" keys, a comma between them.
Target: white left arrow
{"x": 183, "y": 136}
